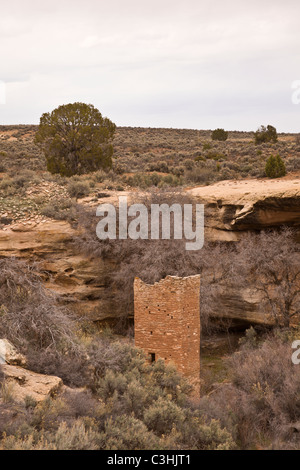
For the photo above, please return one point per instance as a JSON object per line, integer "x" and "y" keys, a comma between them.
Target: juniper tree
{"x": 76, "y": 139}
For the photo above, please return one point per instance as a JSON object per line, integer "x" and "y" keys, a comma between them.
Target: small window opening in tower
{"x": 152, "y": 357}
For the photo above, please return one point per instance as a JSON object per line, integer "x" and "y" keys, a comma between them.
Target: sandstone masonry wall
{"x": 167, "y": 323}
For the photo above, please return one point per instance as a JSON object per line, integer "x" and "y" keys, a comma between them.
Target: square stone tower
{"x": 167, "y": 323}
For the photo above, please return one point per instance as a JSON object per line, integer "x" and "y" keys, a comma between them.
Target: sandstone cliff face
{"x": 231, "y": 209}
{"x": 234, "y": 207}
{"x": 241, "y": 308}
{"x": 80, "y": 281}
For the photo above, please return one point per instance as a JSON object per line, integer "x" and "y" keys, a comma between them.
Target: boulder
{"x": 9, "y": 354}
{"x": 27, "y": 383}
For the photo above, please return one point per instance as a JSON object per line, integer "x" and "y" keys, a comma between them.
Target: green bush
{"x": 275, "y": 167}
{"x": 163, "y": 415}
{"x": 219, "y": 134}
{"x": 207, "y": 146}
{"x": 265, "y": 134}
{"x": 76, "y": 139}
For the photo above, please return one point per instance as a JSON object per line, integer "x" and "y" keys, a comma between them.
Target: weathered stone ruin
{"x": 167, "y": 323}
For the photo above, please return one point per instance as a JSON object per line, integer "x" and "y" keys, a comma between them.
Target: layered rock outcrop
{"x": 234, "y": 207}
{"x": 79, "y": 281}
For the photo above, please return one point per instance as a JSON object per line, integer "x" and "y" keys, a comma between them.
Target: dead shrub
{"x": 30, "y": 316}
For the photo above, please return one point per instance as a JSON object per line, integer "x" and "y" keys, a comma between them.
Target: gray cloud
{"x": 197, "y": 63}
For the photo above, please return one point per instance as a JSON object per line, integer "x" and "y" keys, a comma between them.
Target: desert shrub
{"x": 72, "y": 369}
{"x": 112, "y": 383}
{"x": 178, "y": 170}
{"x": 170, "y": 180}
{"x": 167, "y": 378}
{"x": 119, "y": 169}
{"x": 7, "y": 186}
{"x": 154, "y": 178}
{"x": 275, "y": 167}
{"x": 200, "y": 175}
{"x": 226, "y": 173}
{"x": 200, "y": 158}
{"x": 30, "y": 402}
{"x": 24, "y": 178}
{"x": 82, "y": 404}
{"x": 250, "y": 339}
{"x": 82, "y": 435}
{"x": 293, "y": 164}
{"x": 198, "y": 434}
{"x": 148, "y": 402}
{"x": 163, "y": 415}
{"x": 219, "y": 134}
{"x": 261, "y": 404}
{"x": 127, "y": 433}
{"x": 215, "y": 155}
{"x": 265, "y": 134}
{"x": 7, "y": 391}
{"x": 207, "y": 146}
{"x": 24, "y": 443}
{"x": 189, "y": 164}
{"x": 158, "y": 166}
{"x": 59, "y": 209}
{"x": 78, "y": 189}
{"x": 99, "y": 176}
{"x": 116, "y": 365}
{"x": 267, "y": 384}
{"x": 117, "y": 357}
{"x": 15, "y": 184}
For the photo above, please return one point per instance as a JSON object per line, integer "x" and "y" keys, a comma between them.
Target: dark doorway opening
{"x": 152, "y": 357}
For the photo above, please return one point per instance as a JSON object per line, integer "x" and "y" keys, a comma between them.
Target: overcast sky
{"x": 197, "y": 64}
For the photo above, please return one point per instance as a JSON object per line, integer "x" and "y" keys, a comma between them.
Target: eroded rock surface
{"x": 10, "y": 355}
{"x": 234, "y": 207}
{"x": 26, "y": 383}
{"x": 80, "y": 281}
